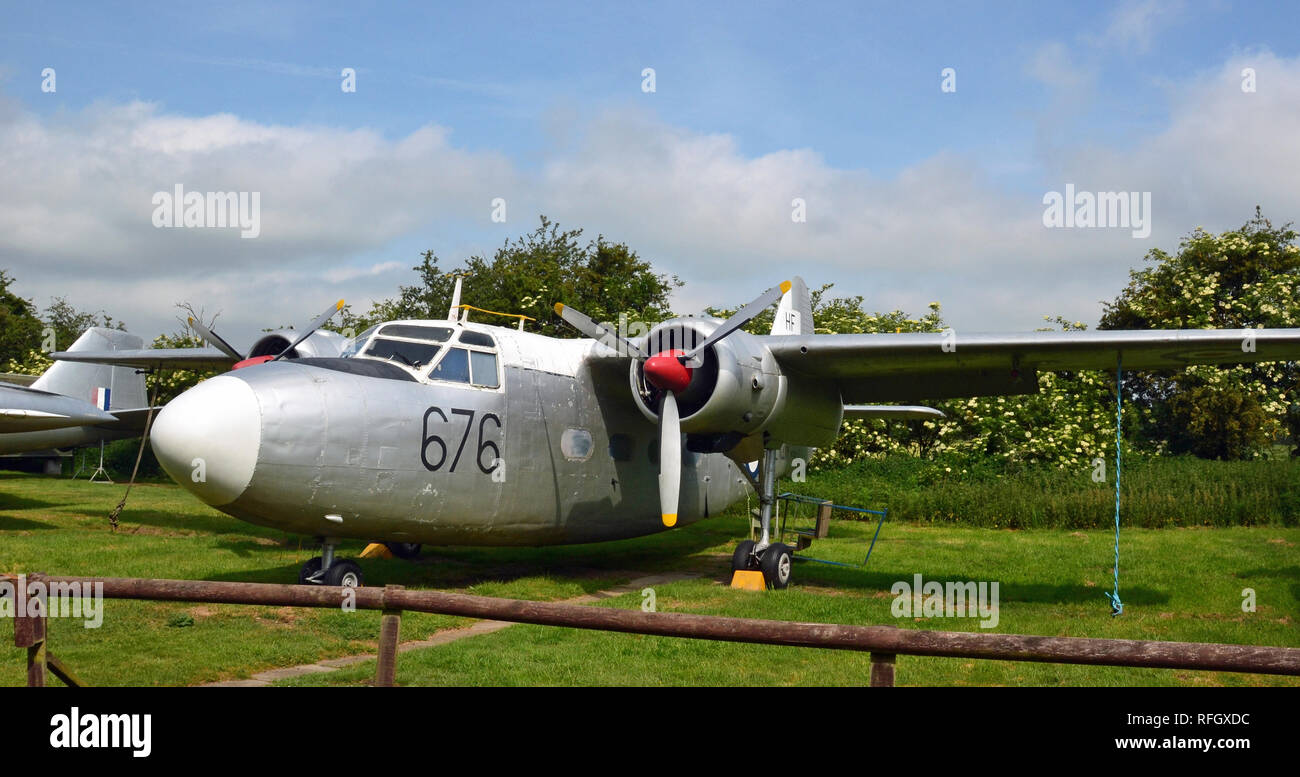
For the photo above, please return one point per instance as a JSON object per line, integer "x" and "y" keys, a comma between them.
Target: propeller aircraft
{"x": 453, "y": 432}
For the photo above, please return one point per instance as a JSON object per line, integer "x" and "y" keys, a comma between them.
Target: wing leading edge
{"x": 153, "y": 358}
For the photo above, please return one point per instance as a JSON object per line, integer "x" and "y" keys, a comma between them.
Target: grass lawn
{"x": 1177, "y": 584}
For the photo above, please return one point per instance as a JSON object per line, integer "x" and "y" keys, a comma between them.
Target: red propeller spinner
{"x": 665, "y": 371}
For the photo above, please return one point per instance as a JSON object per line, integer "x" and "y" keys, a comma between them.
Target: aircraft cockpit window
{"x": 414, "y": 355}
{"x": 453, "y": 367}
{"x": 476, "y": 338}
{"x": 355, "y": 345}
{"x": 433, "y": 334}
{"x": 483, "y": 369}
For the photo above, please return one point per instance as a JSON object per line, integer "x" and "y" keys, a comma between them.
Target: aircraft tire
{"x": 345, "y": 572}
{"x": 308, "y": 569}
{"x": 777, "y": 565}
{"x": 743, "y": 558}
{"x": 404, "y": 550}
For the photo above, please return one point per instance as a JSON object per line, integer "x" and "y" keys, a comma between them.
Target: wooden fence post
{"x": 823, "y": 529}
{"x": 29, "y": 632}
{"x": 882, "y": 670}
{"x": 390, "y": 627}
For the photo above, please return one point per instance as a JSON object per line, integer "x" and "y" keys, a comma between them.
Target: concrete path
{"x": 440, "y": 638}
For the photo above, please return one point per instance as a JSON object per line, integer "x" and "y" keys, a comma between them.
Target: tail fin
{"x": 108, "y": 388}
{"x": 794, "y": 313}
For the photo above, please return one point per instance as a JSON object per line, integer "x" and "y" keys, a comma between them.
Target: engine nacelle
{"x": 321, "y": 343}
{"x": 737, "y": 390}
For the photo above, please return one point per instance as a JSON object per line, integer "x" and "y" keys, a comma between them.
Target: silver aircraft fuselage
{"x": 550, "y": 450}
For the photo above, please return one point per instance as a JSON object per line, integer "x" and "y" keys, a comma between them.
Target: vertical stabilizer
{"x": 120, "y": 388}
{"x": 794, "y": 313}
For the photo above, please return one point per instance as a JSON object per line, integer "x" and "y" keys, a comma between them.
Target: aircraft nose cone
{"x": 207, "y": 438}
{"x": 664, "y": 371}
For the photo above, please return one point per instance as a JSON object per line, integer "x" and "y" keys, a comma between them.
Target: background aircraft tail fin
{"x": 794, "y": 313}
{"x": 108, "y": 388}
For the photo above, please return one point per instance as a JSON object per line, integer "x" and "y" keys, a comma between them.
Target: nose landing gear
{"x": 327, "y": 570}
{"x": 773, "y": 559}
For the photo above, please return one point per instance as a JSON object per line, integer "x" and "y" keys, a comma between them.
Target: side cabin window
{"x": 454, "y": 367}
{"x": 473, "y": 361}
{"x": 483, "y": 369}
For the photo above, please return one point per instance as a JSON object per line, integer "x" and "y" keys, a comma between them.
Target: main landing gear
{"x": 773, "y": 559}
{"x": 327, "y": 570}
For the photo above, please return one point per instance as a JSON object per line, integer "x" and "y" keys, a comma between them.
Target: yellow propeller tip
{"x": 559, "y": 308}
{"x": 339, "y": 306}
{"x": 785, "y": 287}
{"x": 670, "y": 519}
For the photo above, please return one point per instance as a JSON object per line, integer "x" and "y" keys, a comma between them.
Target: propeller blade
{"x": 670, "y": 459}
{"x": 212, "y": 338}
{"x": 583, "y": 323}
{"x": 741, "y": 317}
{"x": 317, "y": 324}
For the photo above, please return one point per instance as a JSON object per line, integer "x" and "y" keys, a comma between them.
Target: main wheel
{"x": 404, "y": 550}
{"x": 308, "y": 569}
{"x": 743, "y": 558}
{"x": 344, "y": 572}
{"x": 777, "y": 564}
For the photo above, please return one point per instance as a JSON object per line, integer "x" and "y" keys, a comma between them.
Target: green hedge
{"x": 1157, "y": 492}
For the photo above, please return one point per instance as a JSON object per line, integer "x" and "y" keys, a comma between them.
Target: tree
{"x": 528, "y": 276}
{"x": 20, "y": 328}
{"x": 1246, "y": 278}
{"x": 166, "y": 384}
{"x": 69, "y": 323}
{"x": 26, "y": 338}
{"x": 1068, "y": 423}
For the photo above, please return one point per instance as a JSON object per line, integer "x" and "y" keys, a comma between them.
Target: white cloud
{"x": 75, "y": 208}
{"x": 1134, "y": 24}
{"x": 1052, "y": 65}
{"x": 1223, "y": 152}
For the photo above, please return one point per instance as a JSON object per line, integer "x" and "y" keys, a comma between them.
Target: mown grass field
{"x": 1177, "y": 584}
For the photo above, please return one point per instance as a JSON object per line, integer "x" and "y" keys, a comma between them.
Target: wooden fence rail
{"x": 883, "y": 642}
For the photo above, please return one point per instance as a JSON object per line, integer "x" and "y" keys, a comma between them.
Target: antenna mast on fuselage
{"x": 454, "y": 312}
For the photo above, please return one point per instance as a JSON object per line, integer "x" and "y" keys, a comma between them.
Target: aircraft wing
{"x": 29, "y": 410}
{"x": 894, "y": 367}
{"x": 153, "y": 358}
{"x": 130, "y": 420}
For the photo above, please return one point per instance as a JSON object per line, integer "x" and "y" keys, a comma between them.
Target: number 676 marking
{"x": 427, "y": 439}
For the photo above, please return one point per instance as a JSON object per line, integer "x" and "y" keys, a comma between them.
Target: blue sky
{"x": 541, "y": 104}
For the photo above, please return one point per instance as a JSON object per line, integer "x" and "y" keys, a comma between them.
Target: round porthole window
{"x": 576, "y": 444}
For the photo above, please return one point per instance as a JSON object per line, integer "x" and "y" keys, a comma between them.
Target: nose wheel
{"x": 774, "y": 559}
{"x": 327, "y": 570}
{"x": 776, "y": 562}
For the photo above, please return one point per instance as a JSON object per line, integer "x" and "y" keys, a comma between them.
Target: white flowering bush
{"x": 1241, "y": 279}
{"x": 34, "y": 363}
{"x": 1069, "y": 423}
{"x": 1245, "y": 279}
